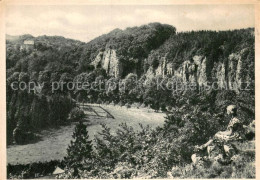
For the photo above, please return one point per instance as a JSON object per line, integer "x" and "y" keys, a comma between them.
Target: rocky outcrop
{"x": 108, "y": 60}
{"x": 224, "y": 74}
{"x": 234, "y": 69}
{"x": 164, "y": 68}
{"x": 193, "y": 71}
{"x": 189, "y": 71}
{"x": 149, "y": 72}
{"x": 229, "y": 74}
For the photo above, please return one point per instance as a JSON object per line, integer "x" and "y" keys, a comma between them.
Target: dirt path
{"x": 55, "y": 141}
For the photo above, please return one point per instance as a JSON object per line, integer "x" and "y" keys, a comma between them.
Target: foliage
{"x": 242, "y": 167}
{"x": 76, "y": 114}
{"x": 33, "y": 170}
{"x": 79, "y": 150}
{"x": 152, "y": 153}
{"x": 194, "y": 115}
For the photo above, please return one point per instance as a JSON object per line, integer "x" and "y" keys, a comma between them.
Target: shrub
{"x": 121, "y": 103}
{"x": 128, "y": 105}
{"x": 33, "y": 170}
{"x": 79, "y": 150}
{"x": 76, "y": 114}
{"x": 99, "y": 101}
{"x": 152, "y": 153}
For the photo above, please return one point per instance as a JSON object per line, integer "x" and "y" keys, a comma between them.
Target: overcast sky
{"x": 87, "y": 22}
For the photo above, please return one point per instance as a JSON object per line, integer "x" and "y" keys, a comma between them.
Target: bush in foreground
{"x": 76, "y": 114}
{"x": 152, "y": 153}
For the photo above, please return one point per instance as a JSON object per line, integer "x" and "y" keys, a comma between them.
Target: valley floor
{"x": 54, "y": 142}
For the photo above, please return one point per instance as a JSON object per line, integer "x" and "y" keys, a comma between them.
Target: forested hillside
{"x": 136, "y": 49}
{"x": 146, "y": 53}
{"x": 124, "y": 67}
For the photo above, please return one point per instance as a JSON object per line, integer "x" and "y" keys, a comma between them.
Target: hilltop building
{"x": 27, "y": 45}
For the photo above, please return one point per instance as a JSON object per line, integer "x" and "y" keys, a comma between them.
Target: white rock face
{"x": 109, "y": 61}
{"x": 194, "y": 72}
{"x": 201, "y": 70}
{"x": 169, "y": 69}
{"x": 97, "y": 60}
{"x": 232, "y": 67}
{"x": 225, "y": 75}
{"x": 150, "y": 73}
{"x": 220, "y": 75}
{"x": 164, "y": 68}
{"x": 229, "y": 74}
{"x": 159, "y": 70}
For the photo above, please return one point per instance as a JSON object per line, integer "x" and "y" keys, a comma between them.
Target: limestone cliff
{"x": 226, "y": 73}
{"x": 193, "y": 71}
{"x": 108, "y": 60}
{"x": 164, "y": 68}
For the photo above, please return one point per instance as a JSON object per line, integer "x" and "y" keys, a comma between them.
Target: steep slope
{"x": 225, "y": 58}
{"x": 128, "y": 48}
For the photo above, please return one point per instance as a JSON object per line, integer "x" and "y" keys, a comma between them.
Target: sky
{"x": 86, "y": 22}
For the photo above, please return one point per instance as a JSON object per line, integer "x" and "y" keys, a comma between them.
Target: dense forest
{"x": 141, "y": 56}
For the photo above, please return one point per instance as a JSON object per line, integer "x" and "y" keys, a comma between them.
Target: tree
{"x": 65, "y": 81}
{"x": 80, "y": 149}
{"x": 76, "y": 114}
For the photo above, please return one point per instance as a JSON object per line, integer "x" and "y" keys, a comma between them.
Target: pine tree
{"x": 80, "y": 149}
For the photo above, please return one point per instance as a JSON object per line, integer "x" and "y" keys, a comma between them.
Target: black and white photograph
{"x": 127, "y": 91}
